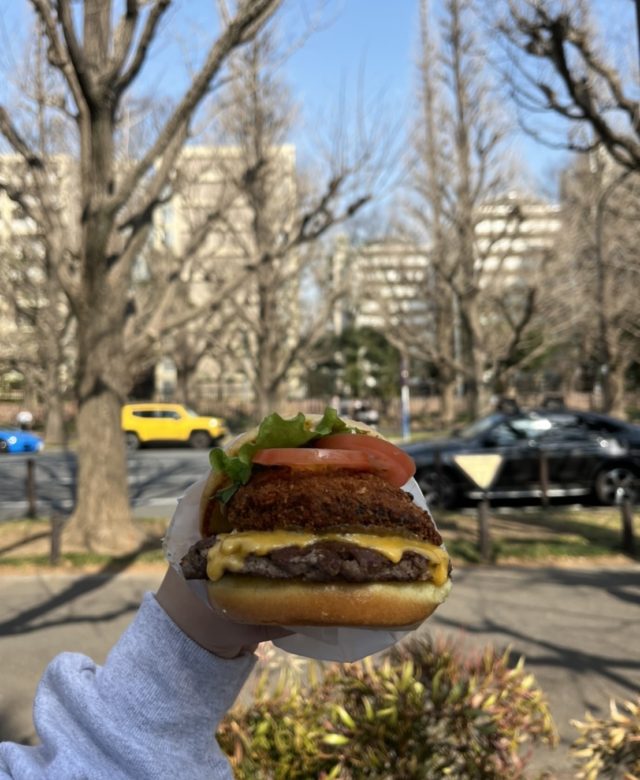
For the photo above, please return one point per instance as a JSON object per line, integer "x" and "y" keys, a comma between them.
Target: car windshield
{"x": 479, "y": 426}
{"x": 191, "y": 413}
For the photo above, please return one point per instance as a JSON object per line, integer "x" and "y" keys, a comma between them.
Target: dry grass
{"x": 25, "y": 546}
{"x": 522, "y": 534}
{"x": 536, "y": 534}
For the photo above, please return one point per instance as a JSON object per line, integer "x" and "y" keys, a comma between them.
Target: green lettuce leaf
{"x": 274, "y": 431}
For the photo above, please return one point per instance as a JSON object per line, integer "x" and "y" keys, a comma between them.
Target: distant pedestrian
{"x": 24, "y": 420}
{"x": 506, "y": 405}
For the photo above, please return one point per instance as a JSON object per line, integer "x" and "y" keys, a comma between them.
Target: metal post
{"x": 638, "y": 23}
{"x": 626, "y": 517}
{"x": 544, "y": 479}
{"x": 57, "y": 523}
{"x": 484, "y": 538}
{"x": 30, "y": 487}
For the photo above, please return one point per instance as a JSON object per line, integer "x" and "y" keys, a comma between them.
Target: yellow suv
{"x": 160, "y": 422}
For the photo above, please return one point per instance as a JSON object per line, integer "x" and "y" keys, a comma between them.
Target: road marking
{"x": 14, "y": 509}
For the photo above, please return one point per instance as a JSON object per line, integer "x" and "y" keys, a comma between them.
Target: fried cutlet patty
{"x": 311, "y": 500}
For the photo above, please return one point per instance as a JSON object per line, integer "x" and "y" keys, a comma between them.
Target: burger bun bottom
{"x": 262, "y": 601}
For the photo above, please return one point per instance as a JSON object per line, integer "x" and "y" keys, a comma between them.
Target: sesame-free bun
{"x": 262, "y": 601}
{"x": 216, "y": 481}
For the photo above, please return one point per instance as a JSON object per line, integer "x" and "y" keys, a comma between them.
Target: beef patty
{"x": 324, "y": 561}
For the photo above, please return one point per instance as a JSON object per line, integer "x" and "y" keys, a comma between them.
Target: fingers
{"x": 210, "y": 628}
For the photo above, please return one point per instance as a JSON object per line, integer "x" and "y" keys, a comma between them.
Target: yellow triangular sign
{"x": 481, "y": 468}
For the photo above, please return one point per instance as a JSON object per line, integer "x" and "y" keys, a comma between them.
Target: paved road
{"x": 579, "y": 630}
{"x": 156, "y": 478}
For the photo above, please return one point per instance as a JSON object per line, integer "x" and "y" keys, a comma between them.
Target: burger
{"x": 304, "y": 521}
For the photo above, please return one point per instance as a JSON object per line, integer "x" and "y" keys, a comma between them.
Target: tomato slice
{"x": 310, "y": 457}
{"x": 394, "y": 465}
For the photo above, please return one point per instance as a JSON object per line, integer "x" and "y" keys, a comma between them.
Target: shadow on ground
{"x": 34, "y": 618}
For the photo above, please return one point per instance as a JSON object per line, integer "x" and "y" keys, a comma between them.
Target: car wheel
{"x": 200, "y": 440}
{"x": 611, "y": 480}
{"x": 132, "y": 441}
{"x": 4, "y": 447}
{"x": 436, "y": 487}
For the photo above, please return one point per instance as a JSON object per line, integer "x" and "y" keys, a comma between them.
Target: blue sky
{"x": 367, "y": 48}
{"x": 375, "y": 43}
{"x": 362, "y": 47}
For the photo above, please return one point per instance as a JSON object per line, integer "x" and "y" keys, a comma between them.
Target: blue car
{"x": 14, "y": 440}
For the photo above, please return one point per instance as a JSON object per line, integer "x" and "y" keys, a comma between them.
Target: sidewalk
{"x": 579, "y": 629}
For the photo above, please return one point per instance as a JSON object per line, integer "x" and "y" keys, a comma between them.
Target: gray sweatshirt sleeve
{"x": 150, "y": 712}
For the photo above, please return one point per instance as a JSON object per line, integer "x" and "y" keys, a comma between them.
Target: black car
{"x": 582, "y": 454}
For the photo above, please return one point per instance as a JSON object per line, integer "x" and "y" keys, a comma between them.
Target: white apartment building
{"x": 23, "y": 290}
{"x": 209, "y": 177}
{"x": 387, "y": 279}
{"x": 383, "y": 280}
{"x": 204, "y": 184}
{"x": 515, "y": 236}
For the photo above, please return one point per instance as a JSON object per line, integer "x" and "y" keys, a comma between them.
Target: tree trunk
{"x": 102, "y": 520}
{"x": 484, "y": 399}
{"x": 54, "y": 430}
{"x": 447, "y": 402}
{"x": 184, "y": 374}
{"x": 52, "y": 357}
{"x": 473, "y": 380}
{"x": 267, "y": 400}
{"x": 613, "y": 389}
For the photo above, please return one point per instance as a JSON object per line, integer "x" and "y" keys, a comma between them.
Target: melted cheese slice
{"x": 230, "y": 550}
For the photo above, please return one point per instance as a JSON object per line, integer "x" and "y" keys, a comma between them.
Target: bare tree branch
{"x": 123, "y": 37}
{"x": 74, "y": 49}
{"x": 148, "y": 34}
{"x": 58, "y": 56}
{"x": 582, "y": 87}
{"x": 10, "y": 132}
{"x": 250, "y": 14}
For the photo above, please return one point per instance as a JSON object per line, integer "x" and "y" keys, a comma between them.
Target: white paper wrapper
{"x": 323, "y": 643}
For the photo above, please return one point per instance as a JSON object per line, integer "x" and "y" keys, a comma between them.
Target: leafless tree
{"x": 34, "y": 302}
{"x": 558, "y": 64}
{"x": 602, "y": 206}
{"x": 477, "y": 331}
{"x": 99, "y": 57}
{"x": 279, "y": 222}
{"x": 37, "y": 331}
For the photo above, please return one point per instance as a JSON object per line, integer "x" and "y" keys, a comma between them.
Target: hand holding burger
{"x": 208, "y": 627}
{"x": 305, "y": 522}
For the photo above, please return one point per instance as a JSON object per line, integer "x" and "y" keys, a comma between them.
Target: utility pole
{"x": 638, "y": 24}
{"x": 405, "y": 396}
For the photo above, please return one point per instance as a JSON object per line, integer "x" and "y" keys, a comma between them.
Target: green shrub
{"x": 610, "y": 747}
{"x": 420, "y": 711}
